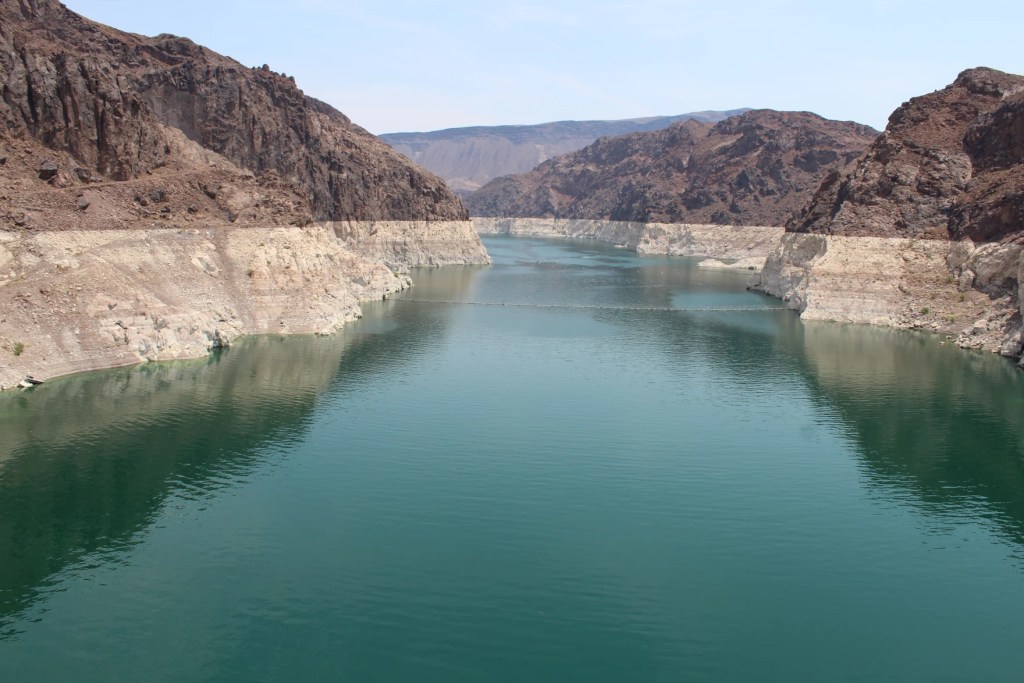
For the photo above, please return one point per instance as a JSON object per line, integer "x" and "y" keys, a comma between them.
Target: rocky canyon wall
{"x": 905, "y": 283}
{"x": 926, "y": 230}
{"x": 106, "y": 97}
{"x": 158, "y": 199}
{"x": 411, "y": 244}
{"x": 757, "y": 168}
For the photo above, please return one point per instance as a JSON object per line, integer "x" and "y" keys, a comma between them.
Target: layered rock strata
{"x": 407, "y": 244}
{"x": 905, "y": 283}
{"x": 82, "y": 300}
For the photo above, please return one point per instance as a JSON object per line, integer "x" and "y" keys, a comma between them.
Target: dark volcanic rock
{"x": 47, "y": 170}
{"x": 993, "y": 204}
{"x": 947, "y": 166}
{"x": 105, "y": 97}
{"x": 754, "y": 169}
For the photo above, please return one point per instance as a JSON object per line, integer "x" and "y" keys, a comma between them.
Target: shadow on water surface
{"x": 88, "y": 462}
{"x": 937, "y": 427}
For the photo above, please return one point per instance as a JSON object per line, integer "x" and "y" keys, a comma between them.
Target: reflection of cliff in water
{"x": 937, "y": 427}
{"x": 90, "y": 460}
{"x": 945, "y": 424}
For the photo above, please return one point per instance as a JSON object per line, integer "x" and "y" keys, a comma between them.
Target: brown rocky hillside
{"x": 926, "y": 230}
{"x": 949, "y": 165}
{"x": 754, "y": 169}
{"x": 467, "y": 158}
{"x": 84, "y": 104}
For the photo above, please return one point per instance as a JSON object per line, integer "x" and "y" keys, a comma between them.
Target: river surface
{"x": 602, "y": 477}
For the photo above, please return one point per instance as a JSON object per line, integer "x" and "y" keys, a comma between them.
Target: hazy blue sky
{"x": 398, "y": 65}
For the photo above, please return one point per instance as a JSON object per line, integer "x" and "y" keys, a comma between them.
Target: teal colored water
{"x": 578, "y": 488}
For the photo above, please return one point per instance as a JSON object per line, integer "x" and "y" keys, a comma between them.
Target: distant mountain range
{"x": 757, "y": 168}
{"x": 467, "y": 158}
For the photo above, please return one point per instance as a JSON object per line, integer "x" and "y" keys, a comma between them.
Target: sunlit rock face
{"x": 925, "y": 231}
{"x": 158, "y": 200}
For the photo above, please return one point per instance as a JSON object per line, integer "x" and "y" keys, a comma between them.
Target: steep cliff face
{"x": 927, "y": 229}
{"x": 98, "y": 94}
{"x": 992, "y": 206}
{"x": 753, "y": 169}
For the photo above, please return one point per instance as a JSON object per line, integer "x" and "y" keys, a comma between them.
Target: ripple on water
{"x": 452, "y": 492}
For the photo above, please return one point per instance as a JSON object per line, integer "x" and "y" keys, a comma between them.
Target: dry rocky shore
{"x": 158, "y": 200}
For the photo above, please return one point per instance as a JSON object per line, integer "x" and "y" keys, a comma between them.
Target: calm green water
{"x": 577, "y": 491}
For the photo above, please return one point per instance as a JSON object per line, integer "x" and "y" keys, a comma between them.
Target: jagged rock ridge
{"x": 470, "y": 157}
{"x": 947, "y": 166}
{"x": 105, "y": 98}
{"x": 753, "y": 169}
{"x": 926, "y": 230}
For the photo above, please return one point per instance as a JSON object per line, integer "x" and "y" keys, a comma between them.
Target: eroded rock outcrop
{"x": 929, "y": 165}
{"x": 927, "y": 229}
{"x": 97, "y": 94}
